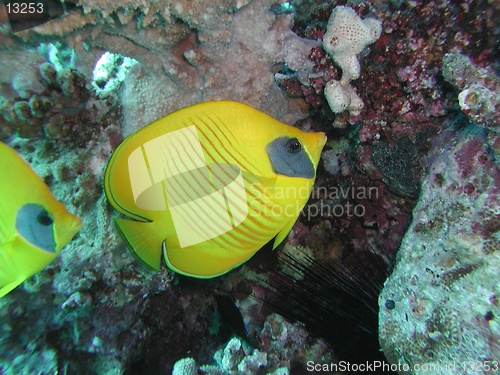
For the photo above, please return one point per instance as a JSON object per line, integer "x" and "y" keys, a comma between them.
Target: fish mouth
{"x": 318, "y": 141}
{"x": 74, "y": 224}
{"x": 78, "y": 223}
{"x": 323, "y": 139}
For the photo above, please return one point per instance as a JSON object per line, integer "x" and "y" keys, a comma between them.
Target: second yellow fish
{"x": 34, "y": 225}
{"x": 209, "y": 185}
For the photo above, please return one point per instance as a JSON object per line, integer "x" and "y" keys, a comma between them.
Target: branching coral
{"x": 283, "y": 343}
{"x": 49, "y": 97}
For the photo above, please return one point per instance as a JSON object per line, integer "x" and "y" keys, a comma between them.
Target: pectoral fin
{"x": 284, "y": 232}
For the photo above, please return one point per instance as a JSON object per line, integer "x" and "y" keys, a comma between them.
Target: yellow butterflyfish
{"x": 209, "y": 185}
{"x": 34, "y": 225}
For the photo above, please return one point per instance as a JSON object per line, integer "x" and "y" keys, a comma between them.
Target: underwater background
{"x": 397, "y": 249}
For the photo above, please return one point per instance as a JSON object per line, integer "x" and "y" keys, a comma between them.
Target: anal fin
{"x": 10, "y": 286}
{"x": 142, "y": 240}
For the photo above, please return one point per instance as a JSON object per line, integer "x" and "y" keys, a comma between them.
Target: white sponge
{"x": 342, "y": 97}
{"x": 346, "y": 36}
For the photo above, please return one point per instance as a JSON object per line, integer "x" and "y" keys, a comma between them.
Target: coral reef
{"x": 185, "y": 366}
{"x": 103, "y": 313}
{"x": 95, "y": 310}
{"x": 406, "y": 104}
{"x": 282, "y": 343}
{"x": 49, "y": 97}
{"x": 440, "y": 304}
{"x": 188, "y": 52}
{"x": 86, "y": 304}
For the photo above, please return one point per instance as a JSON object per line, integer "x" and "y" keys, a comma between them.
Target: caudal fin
{"x": 142, "y": 241}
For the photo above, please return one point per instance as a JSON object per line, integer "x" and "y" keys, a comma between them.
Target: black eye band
{"x": 289, "y": 158}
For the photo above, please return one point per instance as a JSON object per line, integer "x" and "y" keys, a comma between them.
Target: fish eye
{"x": 36, "y": 226}
{"x": 43, "y": 218}
{"x": 293, "y": 146}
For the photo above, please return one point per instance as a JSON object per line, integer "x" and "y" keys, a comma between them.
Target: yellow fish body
{"x": 34, "y": 226}
{"x": 209, "y": 185}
